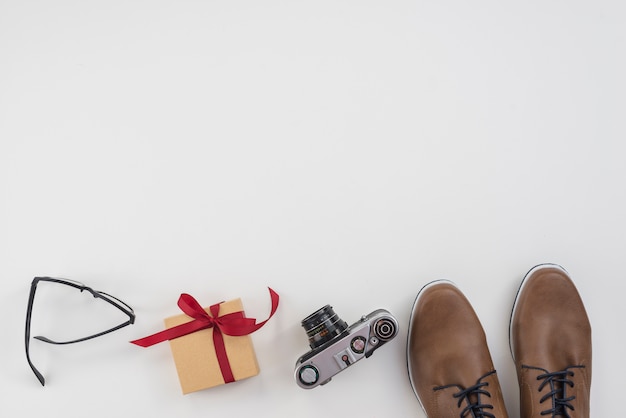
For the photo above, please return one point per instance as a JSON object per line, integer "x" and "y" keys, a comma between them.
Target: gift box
{"x": 211, "y": 346}
{"x": 196, "y": 359}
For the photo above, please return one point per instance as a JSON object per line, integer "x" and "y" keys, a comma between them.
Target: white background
{"x": 341, "y": 152}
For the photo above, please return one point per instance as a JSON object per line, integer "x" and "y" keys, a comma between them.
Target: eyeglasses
{"x": 95, "y": 293}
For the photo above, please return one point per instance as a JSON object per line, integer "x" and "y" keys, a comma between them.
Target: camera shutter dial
{"x": 358, "y": 344}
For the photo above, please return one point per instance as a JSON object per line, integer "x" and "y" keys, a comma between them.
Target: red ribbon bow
{"x": 234, "y": 324}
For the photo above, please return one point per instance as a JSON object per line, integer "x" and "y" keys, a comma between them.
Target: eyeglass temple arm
{"x": 38, "y": 374}
{"x": 31, "y": 298}
{"x": 48, "y": 340}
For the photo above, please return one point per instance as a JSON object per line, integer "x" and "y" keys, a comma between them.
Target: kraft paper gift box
{"x": 195, "y": 355}
{"x": 211, "y": 346}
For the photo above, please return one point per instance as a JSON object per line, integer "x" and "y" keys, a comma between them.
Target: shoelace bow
{"x": 471, "y": 396}
{"x": 558, "y": 382}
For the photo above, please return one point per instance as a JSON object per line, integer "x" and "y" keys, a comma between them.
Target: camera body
{"x": 336, "y": 346}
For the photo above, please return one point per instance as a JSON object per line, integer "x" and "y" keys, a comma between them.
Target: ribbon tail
{"x": 240, "y": 330}
{"x": 222, "y": 356}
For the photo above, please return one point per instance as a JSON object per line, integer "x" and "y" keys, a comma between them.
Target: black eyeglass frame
{"x": 119, "y": 304}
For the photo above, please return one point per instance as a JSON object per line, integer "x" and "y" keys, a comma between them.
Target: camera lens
{"x": 323, "y": 325}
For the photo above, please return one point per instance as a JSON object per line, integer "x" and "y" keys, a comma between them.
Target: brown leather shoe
{"x": 550, "y": 339}
{"x": 449, "y": 364}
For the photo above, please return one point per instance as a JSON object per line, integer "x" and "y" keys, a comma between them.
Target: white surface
{"x": 341, "y": 152}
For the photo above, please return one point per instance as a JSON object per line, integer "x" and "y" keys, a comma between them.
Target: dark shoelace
{"x": 558, "y": 383}
{"x": 471, "y": 396}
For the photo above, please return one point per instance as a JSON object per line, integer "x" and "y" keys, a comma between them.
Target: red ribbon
{"x": 234, "y": 324}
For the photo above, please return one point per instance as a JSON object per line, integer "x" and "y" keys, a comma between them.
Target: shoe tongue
{"x": 473, "y": 399}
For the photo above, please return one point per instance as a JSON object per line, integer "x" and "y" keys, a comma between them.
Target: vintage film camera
{"x": 335, "y": 346}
